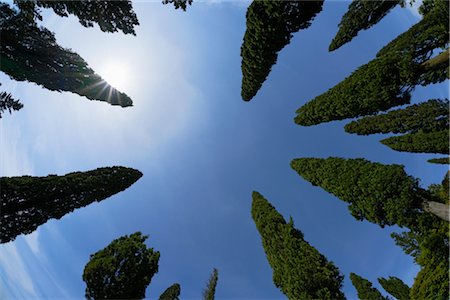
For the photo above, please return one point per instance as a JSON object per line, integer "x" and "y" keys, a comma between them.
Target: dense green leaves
{"x": 382, "y": 194}
{"x": 440, "y": 160}
{"x": 420, "y": 142}
{"x": 210, "y": 290}
{"x": 270, "y": 26}
{"x": 431, "y": 282}
{"x": 122, "y": 270}
{"x": 179, "y": 3}
{"x": 29, "y": 52}
{"x": 427, "y": 116}
{"x": 28, "y": 202}
{"x": 8, "y": 103}
{"x": 365, "y": 289}
{"x": 299, "y": 270}
{"x": 171, "y": 293}
{"x": 361, "y": 15}
{"x": 396, "y": 287}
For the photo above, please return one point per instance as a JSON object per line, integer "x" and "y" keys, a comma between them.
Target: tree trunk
{"x": 438, "y": 209}
{"x": 435, "y": 62}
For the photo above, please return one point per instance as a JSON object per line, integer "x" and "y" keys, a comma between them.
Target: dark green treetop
{"x": 270, "y": 26}
{"x": 179, "y": 3}
{"x": 299, "y": 270}
{"x": 29, "y": 52}
{"x": 426, "y": 116}
{"x": 111, "y": 16}
{"x": 28, "y": 202}
{"x": 440, "y": 160}
{"x": 420, "y": 142}
{"x": 171, "y": 293}
{"x": 365, "y": 289}
{"x": 210, "y": 290}
{"x": 8, "y": 103}
{"x": 122, "y": 270}
{"x": 431, "y": 282}
{"x": 361, "y": 15}
{"x": 396, "y": 287}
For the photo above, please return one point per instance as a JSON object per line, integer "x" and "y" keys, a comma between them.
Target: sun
{"x": 116, "y": 74}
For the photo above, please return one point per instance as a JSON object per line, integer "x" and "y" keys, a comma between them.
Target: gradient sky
{"x": 202, "y": 151}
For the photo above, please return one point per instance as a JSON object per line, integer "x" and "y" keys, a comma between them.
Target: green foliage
{"x": 382, "y": 194}
{"x": 396, "y": 287}
{"x": 361, "y": 15}
{"x": 28, "y": 202}
{"x": 8, "y": 103}
{"x": 111, "y": 16}
{"x": 270, "y": 26}
{"x": 426, "y": 116}
{"x": 299, "y": 270}
{"x": 210, "y": 290}
{"x": 178, "y": 3}
{"x": 431, "y": 282}
{"x": 408, "y": 241}
{"x": 171, "y": 293}
{"x": 420, "y": 142}
{"x": 365, "y": 289}
{"x": 29, "y": 52}
{"x": 440, "y": 160}
{"x": 122, "y": 270}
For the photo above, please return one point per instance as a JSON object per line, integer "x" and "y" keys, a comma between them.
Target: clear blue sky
{"x": 202, "y": 151}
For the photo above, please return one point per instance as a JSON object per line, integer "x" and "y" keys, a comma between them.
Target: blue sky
{"x": 202, "y": 151}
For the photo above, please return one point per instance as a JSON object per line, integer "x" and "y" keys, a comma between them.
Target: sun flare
{"x": 116, "y": 74}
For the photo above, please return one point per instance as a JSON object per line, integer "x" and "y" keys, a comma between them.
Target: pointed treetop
{"x": 365, "y": 289}
{"x": 396, "y": 287}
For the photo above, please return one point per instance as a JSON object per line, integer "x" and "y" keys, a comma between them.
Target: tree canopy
{"x": 179, "y": 3}
{"x": 210, "y": 291}
{"x": 440, "y": 160}
{"x": 299, "y": 270}
{"x": 365, "y": 289}
{"x": 171, "y": 293}
{"x": 122, "y": 270}
{"x": 361, "y": 15}
{"x": 431, "y": 282}
{"x": 420, "y": 142}
{"x": 28, "y": 202}
{"x": 270, "y": 26}
{"x": 396, "y": 287}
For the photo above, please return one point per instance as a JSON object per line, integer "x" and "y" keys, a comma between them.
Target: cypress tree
{"x": 431, "y": 282}
{"x": 420, "y": 142}
{"x": 440, "y": 160}
{"x": 8, "y": 103}
{"x": 396, "y": 287}
{"x": 210, "y": 290}
{"x": 270, "y": 26}
{"x": 122, "y": 270}
{"x": 171, "y": 293}
{"x": 28, "y": 202}
{"x": 365, "y": 289}
{"x": 426, "y": 116}
{"x": 299, "y": 270}
{"x": 29, "y": 52}
{"x": 361, "y": 15}
{"x": 381, "y": 194}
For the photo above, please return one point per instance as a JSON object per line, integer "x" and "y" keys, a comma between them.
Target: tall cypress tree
{"x": 361, "y": 15}
{"x": 28, "y": 202}
{"x": 210, "y": 291}
{"x": 270, "y": 26}
{"x": 365, "y": 289}
{"x": 122, "y": 270}
{"x": 171, "y": 293}
{"x": 299, "y": 270}
{"x": 440, "y": 160}
{"x": 431, "y": 282}
{"x": 420, "y": 142}
{"x": 396, "y": 287}
{"x": 381, "y": 194}
{"x": 29, "y": 52}
{"x": 426, "y": 116}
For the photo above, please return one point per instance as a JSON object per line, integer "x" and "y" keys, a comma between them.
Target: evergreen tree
{"x": 171, "y": 293}
{"x": 111, "y": 16}
{"x": 440, "y": 160}
{"x": 8, "y": 103}
{"x": 431, "y": 282}
{"x": 361, "y": 15}
{"x": 270, "y": 26}
{"x": 396, "y": 287}
{"x": 299, "y": 270}
{"x": 210, "y": 291}
{"x": 122, "y": 270}
{"x": 420, "y": 142}
{"x": 365, "y": 289}
{"x": 381, "y": 194}
{"x": 388, "y": 80}
{"x": 29, "y": 52}
{"x": 179, "y": 3}
{"x": 28, "y": 202}
{"x": 426, "y": 116}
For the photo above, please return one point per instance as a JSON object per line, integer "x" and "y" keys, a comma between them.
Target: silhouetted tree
{"x": 365, "y": 289}
{"x": 179, "y": 3}
{"x": 440, "y": 160}
{"x": 171, "y": 293}
{"x": 28, "y": 202}
{"x": 420, "y": 142}
{"x": 270, "y": 26}
{"x": 122, "y": 270}
{"x": 396, "y": 287}
{"x": 361, "y": 15}
{"x": 299, "y": 270}
{"x": 8, "y": 103}
{"x": 210, "y": 290}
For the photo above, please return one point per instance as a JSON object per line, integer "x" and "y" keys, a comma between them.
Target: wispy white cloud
{"x": 32, "y": 240}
